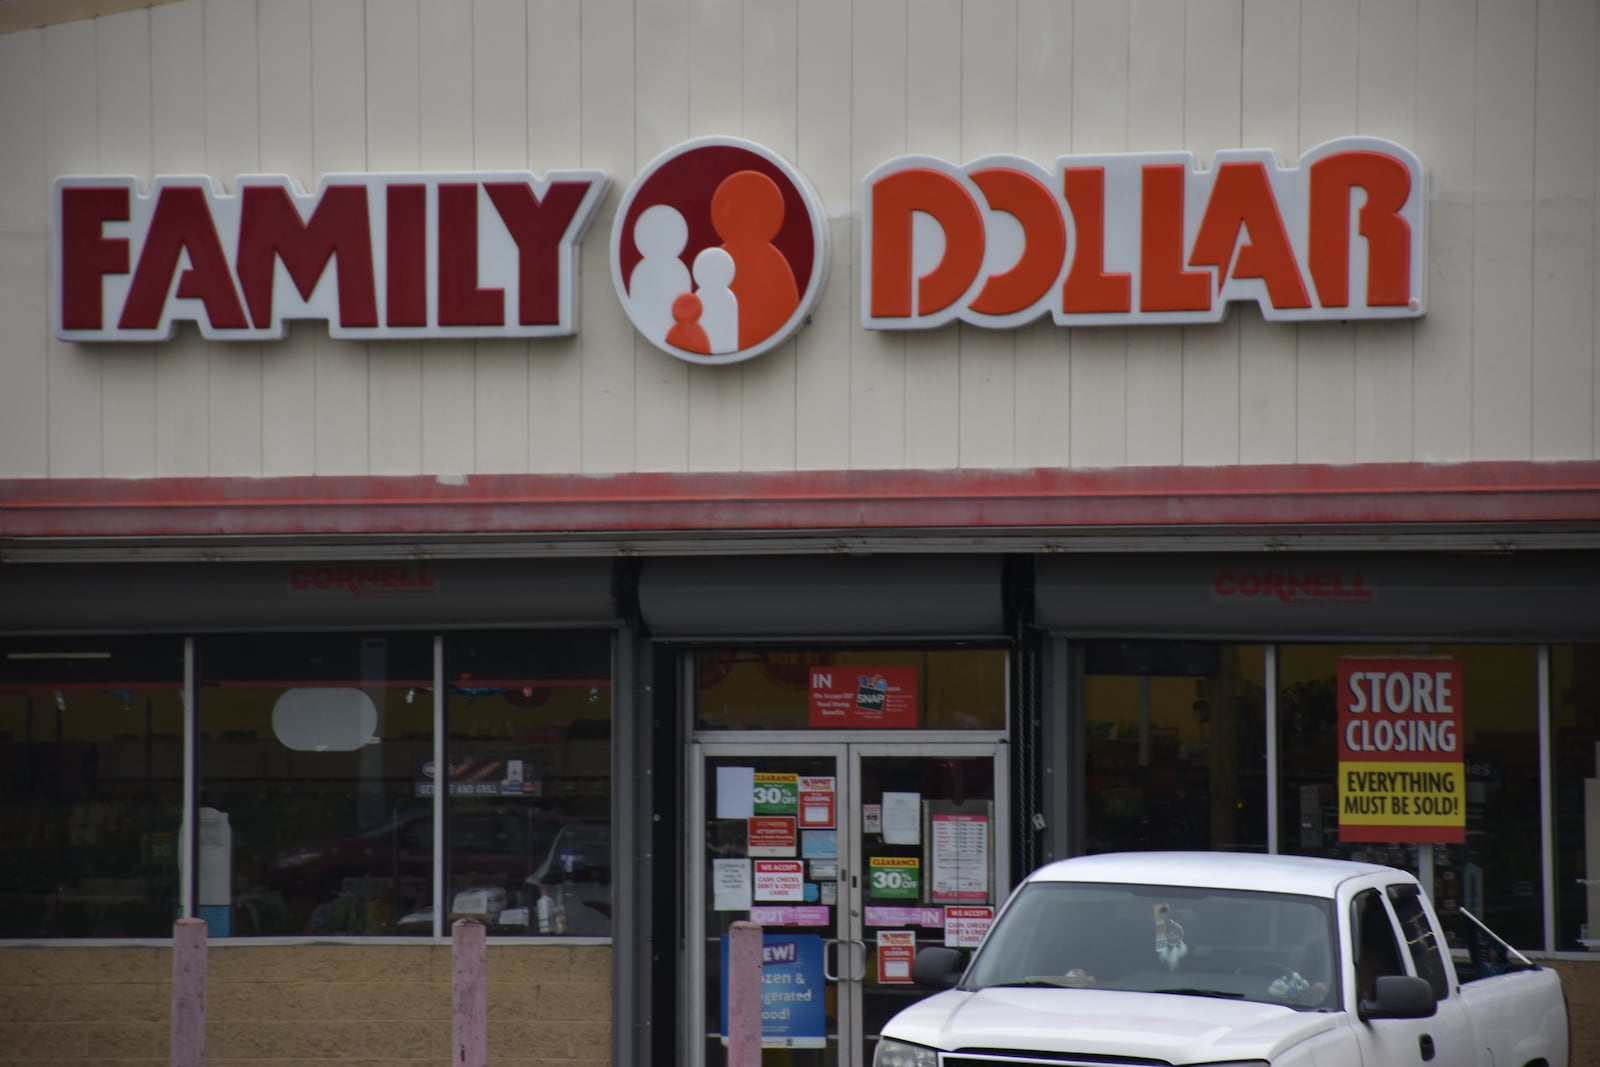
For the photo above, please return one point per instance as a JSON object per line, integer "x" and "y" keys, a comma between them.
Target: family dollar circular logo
{"x": 719, "y": 250}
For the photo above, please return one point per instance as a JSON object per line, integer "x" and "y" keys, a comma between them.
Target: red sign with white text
{"x": 1145, "y": 238}
{"x": 1401, "y": 750}
{"x": 864, "y": 697}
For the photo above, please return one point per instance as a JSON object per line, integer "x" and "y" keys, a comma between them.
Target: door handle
{"x": 1425, "y": 1044}
{"x": 835, "y": 942}
{"x": 861, "y": 973}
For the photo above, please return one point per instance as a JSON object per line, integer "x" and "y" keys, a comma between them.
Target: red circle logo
{"x": 719, "y": 250}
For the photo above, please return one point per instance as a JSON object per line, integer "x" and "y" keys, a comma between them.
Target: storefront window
{"x": 1175, "y": 746}
{"x": 804, "y": 689}
{"x": 1442, "y": 752}
{"x": 310, "y": 748}
{"x": 528, "y": 845}
{"x": 91, "y": 786}
{"x": 1575, "y": 711}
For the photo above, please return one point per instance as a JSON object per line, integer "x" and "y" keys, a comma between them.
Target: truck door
{"x": 1392, "y": 934}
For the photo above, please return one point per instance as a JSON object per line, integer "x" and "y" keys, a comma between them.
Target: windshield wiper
{"x": 1223, "y": 994}
{"x": 1055, "y": 981}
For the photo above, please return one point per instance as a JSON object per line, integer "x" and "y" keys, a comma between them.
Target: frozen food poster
{"x": 793, "y": 1011}
{"x": 873, "y": 698}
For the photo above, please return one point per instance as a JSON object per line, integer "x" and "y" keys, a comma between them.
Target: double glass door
{"x": 851, "y": 857}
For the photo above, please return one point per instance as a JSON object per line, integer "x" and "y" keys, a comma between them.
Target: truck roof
{"x": 1302, "y": 875}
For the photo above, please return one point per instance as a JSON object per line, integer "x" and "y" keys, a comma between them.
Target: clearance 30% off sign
{"x": 1400, "y": 750}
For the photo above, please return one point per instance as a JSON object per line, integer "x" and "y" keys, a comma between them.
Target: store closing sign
{"x": 1401, "y": 771}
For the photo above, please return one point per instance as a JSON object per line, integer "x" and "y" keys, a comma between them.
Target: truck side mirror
{"x": 1400, "y": 996}
{"x": 938, "y": 967}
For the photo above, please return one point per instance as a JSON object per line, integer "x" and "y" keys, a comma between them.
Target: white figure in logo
{"x": 719, "y": 308}
{"x": 660, "y": 234}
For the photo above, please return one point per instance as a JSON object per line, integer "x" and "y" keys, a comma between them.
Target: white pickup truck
{"x": 1227, "y": 960}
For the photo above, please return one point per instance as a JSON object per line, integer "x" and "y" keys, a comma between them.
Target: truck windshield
{"x": 1275, "y": 948}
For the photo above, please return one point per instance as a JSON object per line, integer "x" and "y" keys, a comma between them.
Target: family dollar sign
{"x": 1400, "y": 750}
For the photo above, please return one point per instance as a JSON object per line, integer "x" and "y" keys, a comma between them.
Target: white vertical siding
{"x": 1447, "y": 34}
{"x": 874, "y": 391}
{"x": 1386, "y": 106}
{"x": 1211, "y": 119}
{"x": 289, "y": 379}
{"x": 825, "y": 155}
{"x": 555, "y": 141}
{"x": 178, "y": 109}
{"x": 445, "y": 143}
{"x": 1101, "y": 117}
{"x": 1502, "y": 246}
{"x": 128, "y": 381}
{"x": 24, "y": 259}
{"x": 394, "y": 425}
{"x": 1269, "y": 118}
{"x": 1325, "y": 376}
{"x": 73, "y": 398}
{"x": 987, "y": 363}
{"x": 769, "y": 88}
{"x": 1564, "y": 169}
{"x": 1042, "y": 399}
{"x": 1499, "y": 98}
{"x": 233, "y": 147}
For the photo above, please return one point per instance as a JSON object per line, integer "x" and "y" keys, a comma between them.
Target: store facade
{"x": 614, "y": 470}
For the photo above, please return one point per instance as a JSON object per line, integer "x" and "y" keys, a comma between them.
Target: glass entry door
{"x": 851, "y": 857}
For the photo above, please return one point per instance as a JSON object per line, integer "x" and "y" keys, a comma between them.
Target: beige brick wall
{"x": 1581, "y": 980}
{"x": 295, "y": 1006}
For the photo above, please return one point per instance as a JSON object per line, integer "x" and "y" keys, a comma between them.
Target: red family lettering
{"x": 375, "y": 255}
{"x": 1145, "y": 238}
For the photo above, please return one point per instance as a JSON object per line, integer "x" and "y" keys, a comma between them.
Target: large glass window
{"x": 528, "y": 841}
{"x": 1495, "y": 870}
{"x": 1575, "y": 711}
{"x": 91, "y": 786}
{"x": 1175, "y": 746}
{"x": 310, "y": 747}
{"x": 801, "y": 689}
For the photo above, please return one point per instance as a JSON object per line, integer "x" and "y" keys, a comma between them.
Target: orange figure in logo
{"x": 747, "y": 212}
{"x": 686, "y": 332}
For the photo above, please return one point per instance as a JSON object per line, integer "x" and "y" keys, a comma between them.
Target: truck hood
{"x": 1104, "y": 1022}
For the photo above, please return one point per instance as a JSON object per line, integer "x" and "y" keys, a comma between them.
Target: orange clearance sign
{"x": 1144, "y": 238}
{"x": 1401, "y": 775}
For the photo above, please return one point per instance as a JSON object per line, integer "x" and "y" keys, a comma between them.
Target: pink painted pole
{"x": 471, "y": 1027}
{"x": 189, "y": 993}
{"x": 744, "y": 995}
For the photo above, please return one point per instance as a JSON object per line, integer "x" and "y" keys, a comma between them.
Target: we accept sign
{"x": 719, "y": 249}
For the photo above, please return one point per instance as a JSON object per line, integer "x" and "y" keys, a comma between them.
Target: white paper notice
{"x": 902, "y": 818}
{"x": 736, "y": 792}
{"x": 730, "y": 881}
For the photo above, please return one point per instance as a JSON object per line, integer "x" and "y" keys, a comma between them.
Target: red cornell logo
{"x": 719, "y": 250}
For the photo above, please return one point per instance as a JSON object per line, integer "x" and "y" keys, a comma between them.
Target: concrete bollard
{"x": 189, "y": 993}
{"x": 470, "y": 1030}
{"x": 744, "y": 994}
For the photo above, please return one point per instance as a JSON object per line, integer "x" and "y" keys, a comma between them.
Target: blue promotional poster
{"x": 793, "y": 1011}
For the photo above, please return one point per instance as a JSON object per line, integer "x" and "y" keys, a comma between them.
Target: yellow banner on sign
{"x": 1402, "y": 794}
